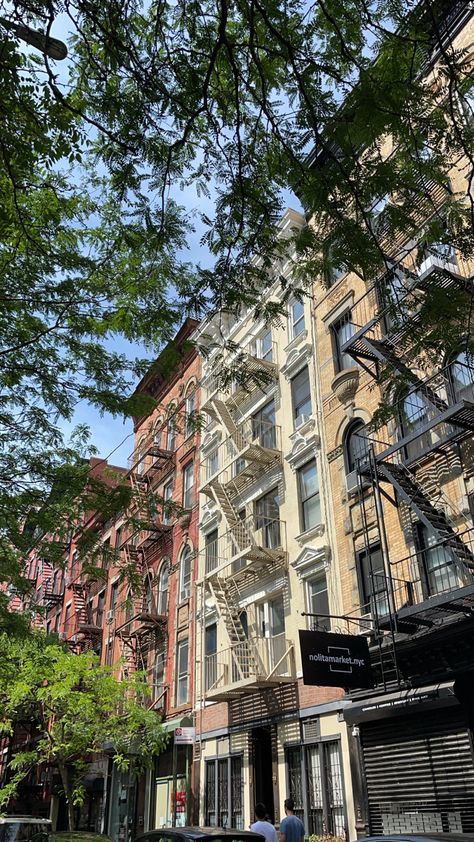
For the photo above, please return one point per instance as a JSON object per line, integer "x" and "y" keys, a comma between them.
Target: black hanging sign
{"x": 335, "y": 660}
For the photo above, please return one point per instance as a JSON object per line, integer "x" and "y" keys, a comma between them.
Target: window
{"x": 140, "y": 462}
{"x": 185, "y": 577}
{"x": 263, "y": 426}
{"x": 296, "y": 318}
{"x": 342, "y": 330}
{"x": 188, "y": 485}
{"x": 318, "y": 603}
{"x": 167, "y": 499}
{"x": 335, "y": 268}
{"x": 301, "y": 394}
{"x": 267, "y": 519}
{"x": 271, "y": 620}
{"x": 171, "y": 437}
{"x": 439, "y": 572}
{"x": 356, "y": 446}
{"x": 213, "y": 463}
{"x": 118, "y": 538}
{"x": 157, "y": 435}
{"x": 182, "y": 673}
{"x": 190, "y": 410}
{"x": 315, "y": 777}
{"x": 114, "y": 595}
{"x": 100, "y": 607}
{"x": 413, "y": 415}
{"x": 461, "y": 373}
{"x": 159, "y": 676}
{"x": 372, "y": 582}
{"x": 109, "y": 652}
{"x": 264, "y": 347}
{"x": 210, "y": 645}
{"x": 148, "y": 596}
{"x": 163, "y": 588}
{"x": 211, "y": 540}
{"x": 224, "y": 803}
{"x": 308, "y": 486}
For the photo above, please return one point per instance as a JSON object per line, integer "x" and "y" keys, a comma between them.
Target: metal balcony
{"x": 85, "y": 623}
{"x": 248, "y": 666}
{"x": 140, "y": 614}
{"x": 432, "y": 584}
{"x": 253, "y": 447}
{"x": 249, "y": 548}
{"x": 251, "y": 369}
{"x": 50, "y": 592}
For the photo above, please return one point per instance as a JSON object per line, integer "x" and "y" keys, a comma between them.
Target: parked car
{"x": 24, "y": 829}
{"x": 199, "y": 834}
{"x": 421, "y": 837}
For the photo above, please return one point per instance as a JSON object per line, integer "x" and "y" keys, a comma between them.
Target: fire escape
{"x": 250, "y": 546}
{"x": 434, "y": 416}
{"x": 140, "y": 621}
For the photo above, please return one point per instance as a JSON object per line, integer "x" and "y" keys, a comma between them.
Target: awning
{"x": 400, "y": 703}
{"x": 180, "y": 722}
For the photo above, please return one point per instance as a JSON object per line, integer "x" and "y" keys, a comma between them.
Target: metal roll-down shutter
{"x": 420, "y": 773}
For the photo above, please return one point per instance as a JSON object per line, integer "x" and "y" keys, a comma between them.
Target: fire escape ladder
{"x": 385, "y": 351}
{"x": 240, "y": 533}
{"x": 243, "y": 658}
{"x": 226, "y": 419}
{"x": 434, "y": 519}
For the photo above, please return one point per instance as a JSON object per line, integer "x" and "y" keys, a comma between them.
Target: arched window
{"x": 190, "y": 419}
{"x": 163, "y": 588}
{"x": 185, "y": 574}
{"x": 158, "y": 433}
{"x": 461, "y": 375}
{"x": 356, "y": 446}
{"x": 128, "y": 606}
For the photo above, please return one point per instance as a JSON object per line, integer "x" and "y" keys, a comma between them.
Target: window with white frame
{"x": 318, "y": 603}
{"x": 264, "y": 347}
{"x": 213, "y": 462}
{"x": 182, "y": 672}
{"x": 171, "y": 435}
{"x": 271, "y": 621}
{"x": 297, "y": 324}
{"x": 158, "y": 434}
{"x": 159, "y": 676}
{"x": 185, "y": 575}
{"x": 190, "y": 415}
{"x": 163, "y": 579}
{"x": 308, "y": 488}
{"x": 188, "y": 485}
{"x": 301, "y": 394}
{"x": 167, "y": 499}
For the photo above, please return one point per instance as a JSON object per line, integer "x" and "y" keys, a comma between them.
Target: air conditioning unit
{"x": 301, "y": 421}
{"x": 435, "y": 261}
{"x": 354, "y": 481}
{"x": 109, "y": 615}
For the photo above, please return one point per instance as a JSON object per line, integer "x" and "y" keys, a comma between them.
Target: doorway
{"x": 262, "y": 767}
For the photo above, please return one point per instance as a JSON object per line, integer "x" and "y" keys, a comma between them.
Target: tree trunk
{"x": 64, "y": 772}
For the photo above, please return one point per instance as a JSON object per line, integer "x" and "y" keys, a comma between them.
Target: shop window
{"x": 224, "y": 792}
{"x": 308, "y": 488}
{"x": 315, "y": 777}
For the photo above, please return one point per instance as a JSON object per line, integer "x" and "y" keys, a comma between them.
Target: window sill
{"x": 315, "y": 532}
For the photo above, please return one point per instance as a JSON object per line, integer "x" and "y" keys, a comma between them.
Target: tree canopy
{"x": 73, "y": 708}
{"x": 231, "y": 102}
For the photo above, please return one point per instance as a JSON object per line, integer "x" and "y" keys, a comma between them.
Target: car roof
{"x": 35, "y": 819}
{"x": 203, "y": 832}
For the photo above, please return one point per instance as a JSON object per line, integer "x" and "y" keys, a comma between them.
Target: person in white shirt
{"x": 262, "y": 826}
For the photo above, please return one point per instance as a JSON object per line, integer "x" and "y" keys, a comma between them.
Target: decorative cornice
{"x": 314, "y": 532}
{"x": 298, "y": 340}
{"x": 334, "y": 454}
{"x": 302, "y": 447}
{"x": 296, "y": 360}
{"x": 312, "y": 560}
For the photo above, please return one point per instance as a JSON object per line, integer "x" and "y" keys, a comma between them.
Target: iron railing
{"x": 253, "y": 538}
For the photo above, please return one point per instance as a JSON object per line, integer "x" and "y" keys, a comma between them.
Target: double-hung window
{"x": 318, "y": 603}
{"x": 342, "y": 330}
{"x": 185, "y": 577}
{"x": 310, "y": 505}
{"x": 297, "y": 324}
{"x": 171, "y": 435}
{"x": 182, "y": 672}
{"x": 190, "y": 410}
{"x": 301, "y": 394}
{"x": 167, "y": 499}
{"x": 188, "y": 485}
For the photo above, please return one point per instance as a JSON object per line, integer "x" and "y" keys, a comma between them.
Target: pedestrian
{"x": 291, "y": 827}
{"x": 263, "y": 825}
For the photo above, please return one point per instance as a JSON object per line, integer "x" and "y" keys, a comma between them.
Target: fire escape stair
{"x": 222, "y": 414}
{"x": 434, "y": 519}
{"x": 244, "y": 664}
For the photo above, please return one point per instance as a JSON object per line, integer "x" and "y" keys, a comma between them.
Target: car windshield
{"x": 23, "y": 832}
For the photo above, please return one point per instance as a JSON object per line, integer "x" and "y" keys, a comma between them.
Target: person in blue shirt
{"x": 291, "y": 827}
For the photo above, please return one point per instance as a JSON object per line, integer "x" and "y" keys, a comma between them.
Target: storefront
{"x": 418, "y": 762}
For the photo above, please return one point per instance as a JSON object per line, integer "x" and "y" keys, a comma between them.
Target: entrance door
{"x": 263, "y": 770}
